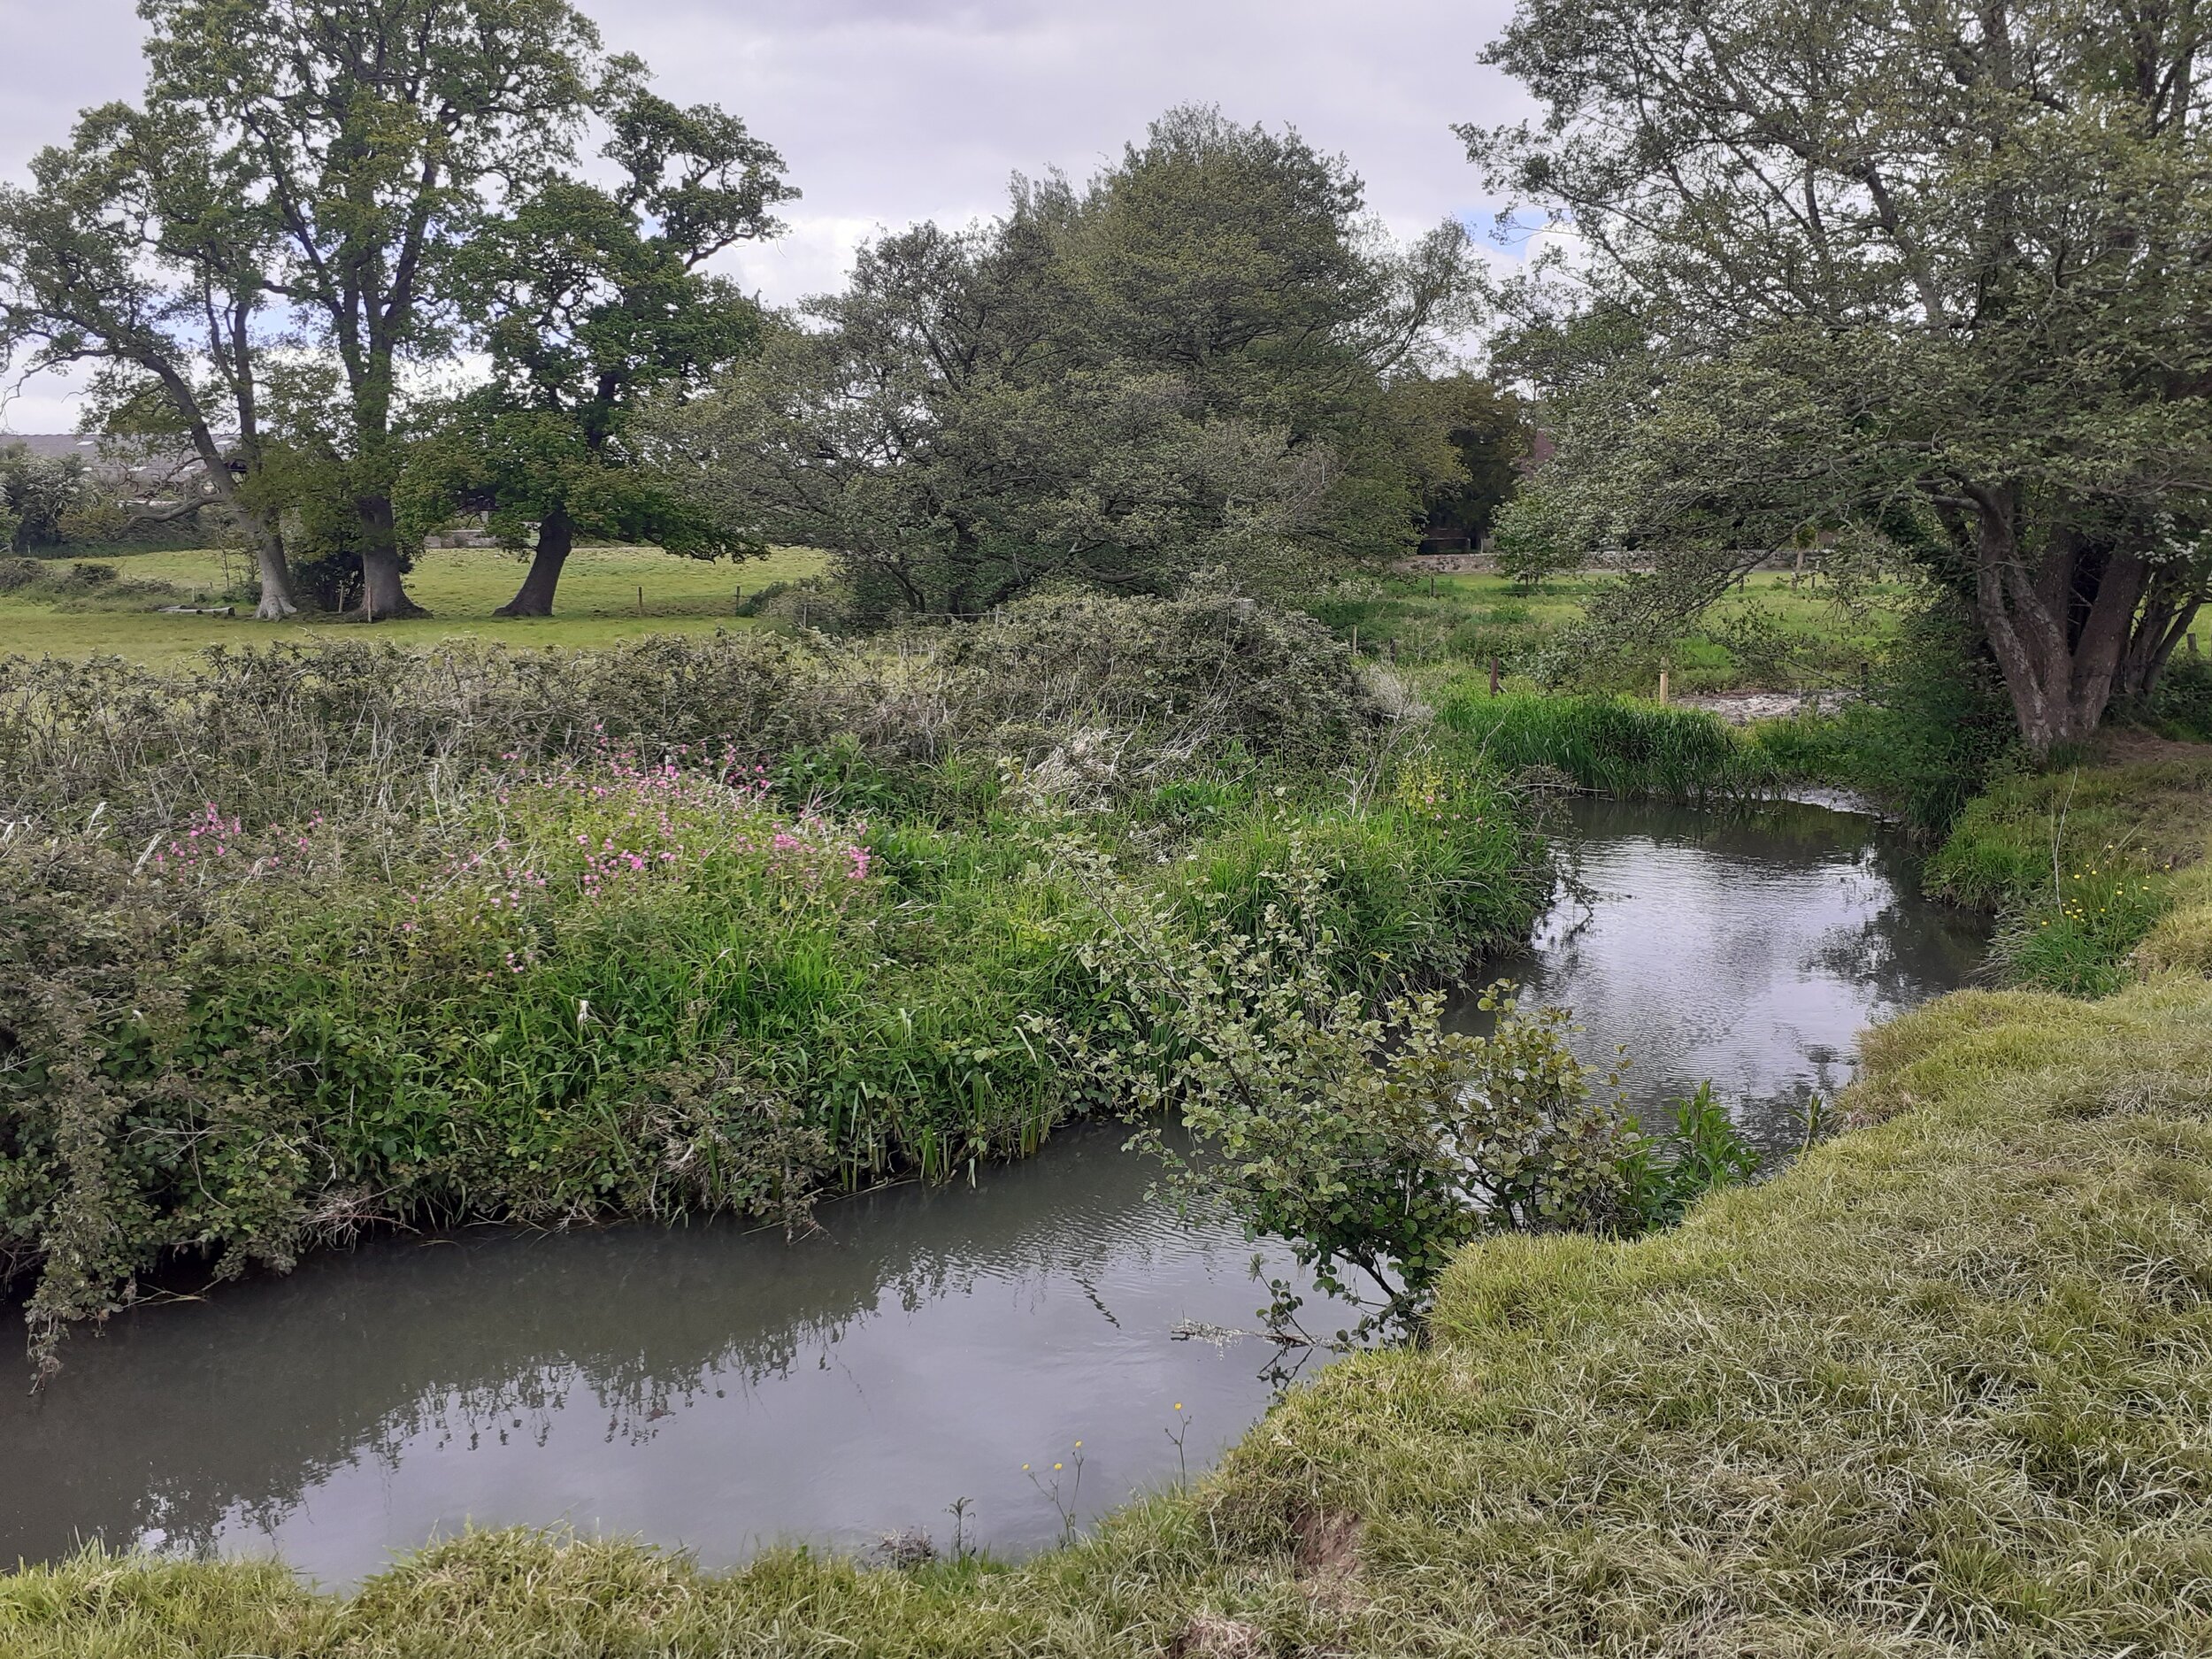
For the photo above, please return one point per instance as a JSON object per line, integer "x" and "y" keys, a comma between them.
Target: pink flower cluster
{"x": 209, "y": 836}
{"x": 621, "y": 820}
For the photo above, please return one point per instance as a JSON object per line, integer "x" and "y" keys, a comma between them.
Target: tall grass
{"x": 1605, "y": 743}
{"x": 320, "y": 940}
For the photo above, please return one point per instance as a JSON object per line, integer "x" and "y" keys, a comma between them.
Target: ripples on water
{"x": 718, "y": 1389}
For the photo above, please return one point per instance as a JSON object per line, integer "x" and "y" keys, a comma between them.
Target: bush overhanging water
{"x": 323, "y": 939}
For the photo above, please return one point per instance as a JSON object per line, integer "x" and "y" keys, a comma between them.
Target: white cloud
{"x": 892, "y": 111}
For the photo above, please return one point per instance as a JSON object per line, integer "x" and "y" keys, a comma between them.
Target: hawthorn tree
{"x": 589, "y": 299}
{"x": 1907, "y": 279}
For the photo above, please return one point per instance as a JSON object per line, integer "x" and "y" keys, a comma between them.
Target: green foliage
{"x": 1945, "y": 351}
{"x": 1976, "y": 1297}
{"x": 283, "y": 733}
{"x": 1183, "y": 364}
{"x": 2079, "y": 865}
{"x": 1372, "y": 1142}
{"x": 1933, "y": 733}
{"x": 1663, "y": 1176}
{"x": 2080, "y": 941}
{"x": 82, "y": 585}
{"x": 2181, "y": 707}
{"x": 1605, "y": 743}
{"x": 1489, "y": 431}
{"x": 591, "y": 298}
{"x": 313, "y": 940}
{"x": 37, "y": 497}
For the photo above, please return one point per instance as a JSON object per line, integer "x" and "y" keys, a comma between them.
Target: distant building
{"x": 112, "y": 462}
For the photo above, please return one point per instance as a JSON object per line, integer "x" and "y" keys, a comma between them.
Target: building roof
{"x": 55, "y": 446}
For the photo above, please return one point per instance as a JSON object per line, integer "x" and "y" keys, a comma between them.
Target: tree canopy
{"x": 1890, "y": 277}
{"x": 1184, "y": 363}
{"x": 589, "y": 298}
{"x": 321, "y": 204}
{"x": 137, "y": 253}
{"x": 372, "y": 141}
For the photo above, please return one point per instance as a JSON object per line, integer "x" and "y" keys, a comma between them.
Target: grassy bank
{"x": 1940, "y": 1389}
{"x": 1771, "y": 633}
{"x": 2083, "y": 864}
{"x": 599, "y": 603}
{"x": 303, "y": 942}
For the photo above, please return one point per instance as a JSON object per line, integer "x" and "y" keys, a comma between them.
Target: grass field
{"x": 1470, "y": 618}
{"x": 460, "y": 586}
{"x": 1769, "y": 636}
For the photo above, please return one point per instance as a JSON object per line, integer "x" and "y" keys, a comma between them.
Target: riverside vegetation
{"x": 1933, "y": 1390}
{"x": 319, "y": 940}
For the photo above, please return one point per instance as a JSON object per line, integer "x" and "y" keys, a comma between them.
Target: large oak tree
{"x": 375, "y": 139}
{"x": 588, "y": 298}
{"x": 1919, "y": 277}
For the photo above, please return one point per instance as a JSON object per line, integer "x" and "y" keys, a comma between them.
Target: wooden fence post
{"x": 1495, "y": 686}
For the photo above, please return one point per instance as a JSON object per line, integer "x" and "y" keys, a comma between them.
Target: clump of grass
{"x": 2080, "y": 941}
{"x": 2079, "y": 864}
{"x": 1603, "y": 743}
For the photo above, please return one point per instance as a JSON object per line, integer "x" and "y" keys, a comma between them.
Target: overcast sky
{"x": 892, "y": 111}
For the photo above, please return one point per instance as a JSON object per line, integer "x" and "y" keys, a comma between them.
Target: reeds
{"x": 1607, "y": 744}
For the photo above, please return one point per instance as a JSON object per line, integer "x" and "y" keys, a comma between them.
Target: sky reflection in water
{"x": 718, "y": 1389}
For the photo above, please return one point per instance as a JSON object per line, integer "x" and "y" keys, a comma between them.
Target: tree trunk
{"x": 2064, "y": 629}
{"x": 556, "y": 536}
{"x": 383, "y": 596}
{"x": 2170, "y": 610}
{"x": 277, "y": 601}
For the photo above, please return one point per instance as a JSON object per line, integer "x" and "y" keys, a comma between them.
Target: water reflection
{"x": 1748, "y": 947}
{"x": 718, "y": 1389}
{"x": 702, "y": 1387}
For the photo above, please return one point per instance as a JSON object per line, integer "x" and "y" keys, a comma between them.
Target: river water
{"x": 719, "y": 1389}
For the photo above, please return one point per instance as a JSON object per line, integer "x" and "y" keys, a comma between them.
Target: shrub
{"x": 334, "y": 937}
{"x": 1938, "y": 730}
{"x": 2181, "y": 707}
{"x": 1373, "y": 1143}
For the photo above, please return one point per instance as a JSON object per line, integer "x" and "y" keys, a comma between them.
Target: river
{"x": 719, "y": 1389}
